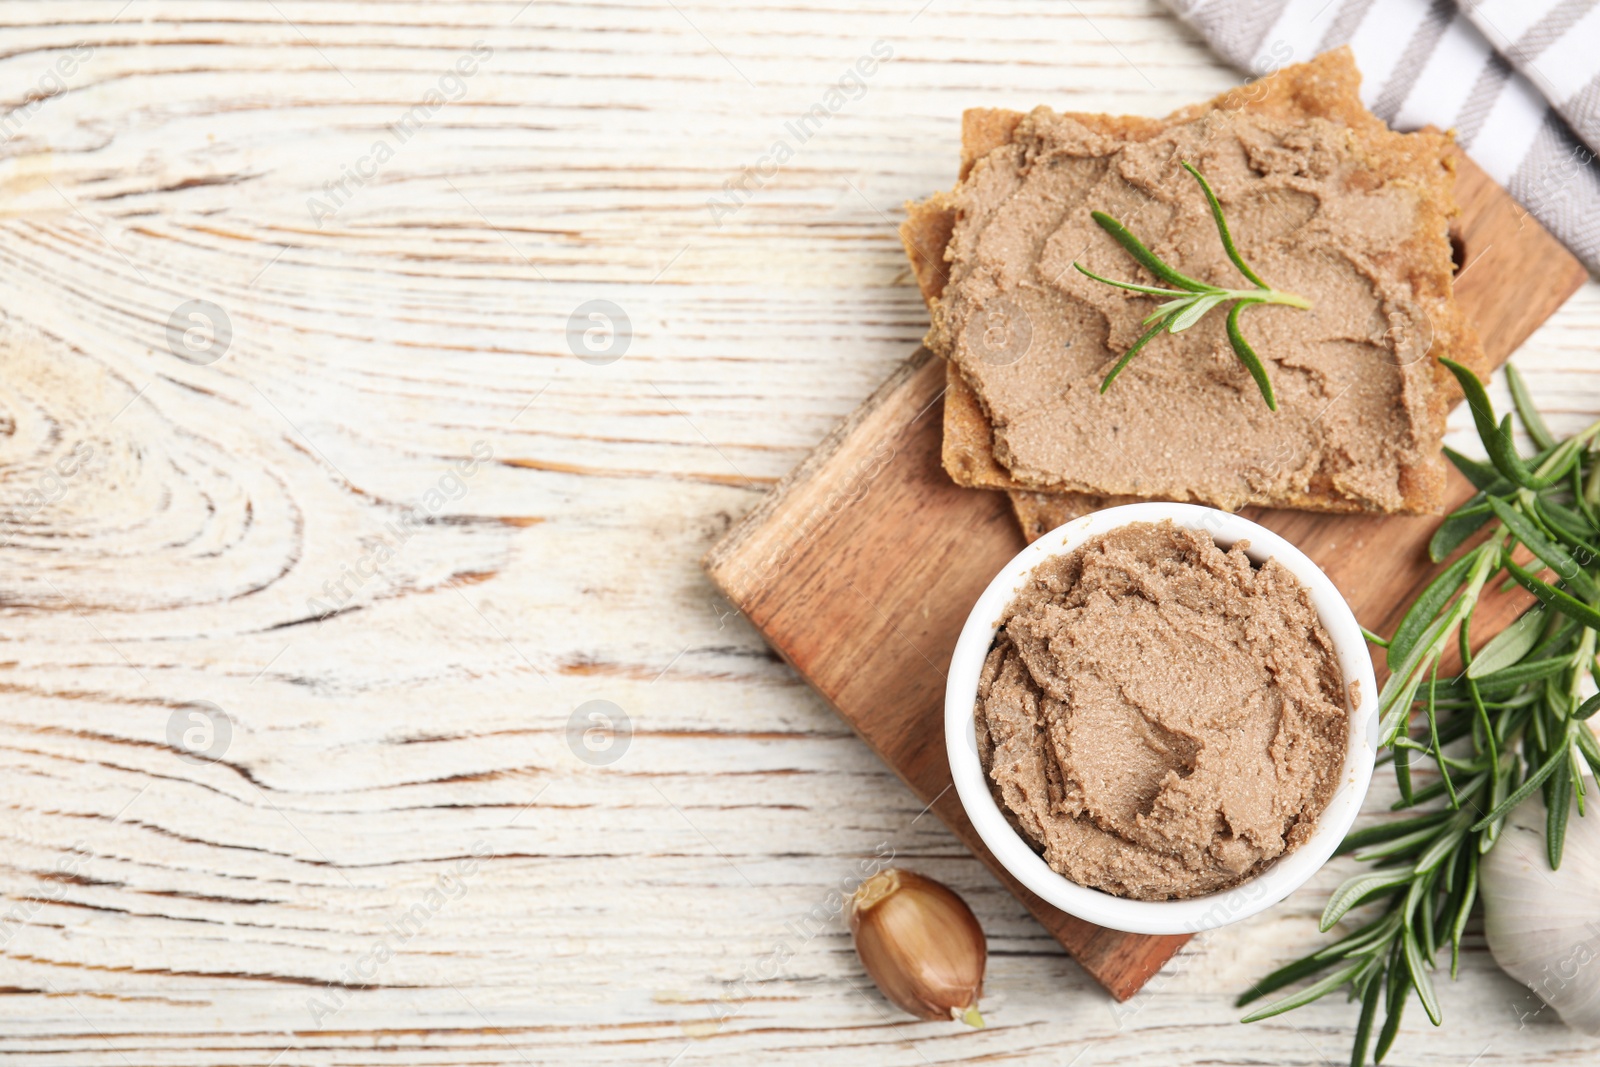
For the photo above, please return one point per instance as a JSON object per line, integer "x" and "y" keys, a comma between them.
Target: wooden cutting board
{"x": 861, "y": 566}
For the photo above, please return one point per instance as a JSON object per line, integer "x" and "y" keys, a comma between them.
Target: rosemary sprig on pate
{"x": 1192, "y": 299}
{"x": 1516, "y": 709}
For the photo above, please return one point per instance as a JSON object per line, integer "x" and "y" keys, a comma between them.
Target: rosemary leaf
{"x": 1247, "y": 355}
{"x": 1167, "y": 311}
{"x": 1550, "y": 554}
{"x": 1149, "y": 290}
{"x": 1434, "y": 792}
{"x": 1496, "y": 439}
{"x": 1589, "y": 745}
{"x": 1285, "y": 976}
{"x": 1402, "y": 771}
{"x": 1558, "y": 799}
{"x": 1463, "y": 910}
{"x": 1389, "y": 830}
{"x": 1424, "y": 925}
{"x": 1454, "y": 531}
{"x": 1306, "y": 995}
{"x": 1525, "y": 411}
{"x": 1222, "y": 228}
{"x": 1571, "y": 527}
{"x": 1397, "y": 846}
{"x": 1359, "y": 888}
{"x": 1425, "y": 609}
{"x": 1147, "y": 259}
{"x": 1378, "y": 931}
{"x": 1395, "y": 1007}
{"x": 1129, "y": 354}
{"x": 1520, "y": 674}
{"x": 1483, "y": 476}
{"x": 1555, "y": 598}
{"x": 1557, "y": 639}
{"x": 1509, "y": 645}
{"x": 1369, "y": 1012}
{"x": 1523, "y": 791}
{"x": 1193, "y": 312}
{"x": 1420, "y": 979}
{"x": 1450, "y": 838}
{"x": 1580, "y": 497}
{"x": 1587, "y": 708}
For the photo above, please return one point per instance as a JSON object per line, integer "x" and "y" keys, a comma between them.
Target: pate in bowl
{"x": 1159, "y": 718}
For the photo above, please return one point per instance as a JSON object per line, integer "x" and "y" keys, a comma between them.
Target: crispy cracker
{"x": 1327, "y": 88}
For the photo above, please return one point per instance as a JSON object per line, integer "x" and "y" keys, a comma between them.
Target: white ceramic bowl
{"x": 1163, "y": 916}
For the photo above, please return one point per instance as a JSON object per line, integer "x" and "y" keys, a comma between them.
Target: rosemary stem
{"x": 1274, "y": 296}
{"x": 1263, "y": 296}
{"x": 1192, "y": 299}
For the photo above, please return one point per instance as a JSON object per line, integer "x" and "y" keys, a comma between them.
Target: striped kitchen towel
{"x": 1518, "y": 81}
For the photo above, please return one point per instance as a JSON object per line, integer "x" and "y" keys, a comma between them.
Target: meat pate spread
{"x": 1160, "y": 718}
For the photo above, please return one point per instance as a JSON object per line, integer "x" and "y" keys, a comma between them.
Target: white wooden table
{"x": 391, "y": 847}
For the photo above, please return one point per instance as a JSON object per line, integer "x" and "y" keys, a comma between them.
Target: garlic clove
{"x": 1543, "y": 926}
{"x": 921, "y": 944}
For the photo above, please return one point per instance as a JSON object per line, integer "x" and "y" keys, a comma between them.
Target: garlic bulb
{"x": 921, "y": 944}
{"x": 1543, "y": 926}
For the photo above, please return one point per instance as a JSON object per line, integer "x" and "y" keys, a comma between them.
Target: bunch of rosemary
{"x": 1515, "y": 708}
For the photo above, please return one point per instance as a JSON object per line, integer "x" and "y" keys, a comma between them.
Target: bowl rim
{"x": 1193, "y": 914}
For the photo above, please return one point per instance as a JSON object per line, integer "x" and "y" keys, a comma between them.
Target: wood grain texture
{"x": 673, "y": 905}
{"x": 861, "y": 567}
